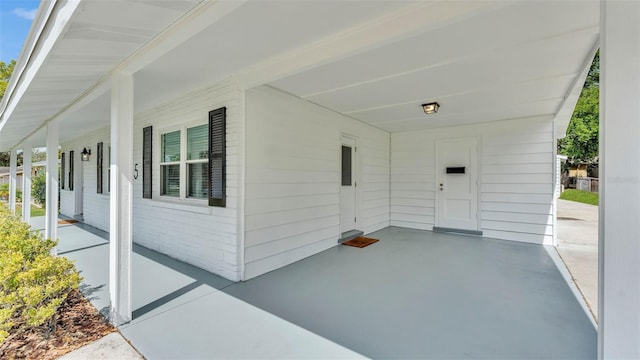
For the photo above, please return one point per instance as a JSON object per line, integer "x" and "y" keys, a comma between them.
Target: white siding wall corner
{"x": 515, "y": 183}
{"x": 95, "y": 206}
{"x": 204, "y": 236}
{"x": 292, "y": 204}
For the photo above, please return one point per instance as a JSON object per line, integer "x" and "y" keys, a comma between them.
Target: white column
{"x": 13, "y": 179}
{"x": 619, "y": 245}
{"x": 120, "y": 245}
{"x": 51, "y": 207}
{"x": 26, "y": 182}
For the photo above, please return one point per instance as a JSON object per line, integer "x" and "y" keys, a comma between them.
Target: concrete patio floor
{"x": 578, "y": 247}
{"x": 414, "y": 294}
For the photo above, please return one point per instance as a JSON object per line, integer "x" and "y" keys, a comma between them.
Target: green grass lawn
{"x": 35, "y": 211}
{"x": 584, "y": 197}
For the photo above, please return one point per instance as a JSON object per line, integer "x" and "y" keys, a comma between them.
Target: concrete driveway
{"x": 578, "y": 247}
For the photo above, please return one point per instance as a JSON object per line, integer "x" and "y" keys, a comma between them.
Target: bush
{"x": 4, "y": 191}
{"x": 39, "y": 189}
{"x": 33, "y": 283}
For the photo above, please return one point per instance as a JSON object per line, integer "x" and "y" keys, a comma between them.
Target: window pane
{"x": 198, "y": 180}
{"x": 171, "y": 147}
{"x": 346, "y": 166}
{"x": 170, "y": 180}
{"x": 198, "y": 142}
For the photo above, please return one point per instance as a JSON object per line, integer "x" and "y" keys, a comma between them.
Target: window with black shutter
{"x": 71, "y": 153}
{"x": 63, "y": 170}
{"x": 217, "y": 156}
{"x": 147, "y": 149}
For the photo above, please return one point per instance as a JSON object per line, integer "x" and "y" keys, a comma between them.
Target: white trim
{"x": 13, "y": 179}
{"x": 51, "y": 207}
{"x": 26, "y": 181}
{"x": 121, "y": 204}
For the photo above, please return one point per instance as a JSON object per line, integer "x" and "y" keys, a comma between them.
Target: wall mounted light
{"x": 85, "y": 154}
{"x": 430, "y": 108}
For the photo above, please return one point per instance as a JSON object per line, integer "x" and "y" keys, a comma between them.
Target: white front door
{"x": 457, "y": 184}
{"x": 348, "y": 185}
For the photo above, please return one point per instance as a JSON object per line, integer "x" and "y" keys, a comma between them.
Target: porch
{"x": 414, "y": 294}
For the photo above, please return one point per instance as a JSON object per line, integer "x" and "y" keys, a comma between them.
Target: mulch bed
{"x": 77, "y": 323}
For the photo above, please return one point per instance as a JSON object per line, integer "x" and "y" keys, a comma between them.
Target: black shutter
{"x": 62, "y": 171}
{"x": 99, "y": 167}
{"x": 71, "y": 153}
{"x": 217, "y": 156}
{"x": 147, "y": 151}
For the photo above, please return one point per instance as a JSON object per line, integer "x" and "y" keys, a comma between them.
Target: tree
{"x": 6, "y": 69}
{"x": 5, "y": 74}
{"x": 582, "y": 139}
{"x": 39, "y": 189}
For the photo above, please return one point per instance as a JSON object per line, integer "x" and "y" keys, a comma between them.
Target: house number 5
{"x": 135, "y": 172}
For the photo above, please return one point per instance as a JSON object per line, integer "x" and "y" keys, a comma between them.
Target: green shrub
{"x": 39, "y": 189}
{"x": 4, "y": 191}
{"x": 33, "y": 283}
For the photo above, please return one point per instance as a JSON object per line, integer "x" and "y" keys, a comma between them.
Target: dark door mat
{"x": 360, "y": 242}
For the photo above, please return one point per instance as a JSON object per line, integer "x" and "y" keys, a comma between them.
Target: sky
{"x": 15, "y": 21}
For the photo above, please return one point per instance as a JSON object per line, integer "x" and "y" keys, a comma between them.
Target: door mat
{"x": 360, "y": 242}
{"x": 63, "y": 222}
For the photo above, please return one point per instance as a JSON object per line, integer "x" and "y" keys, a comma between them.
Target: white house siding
{"x": 292, "y": 207}
{"x": 516, "y": 165}
{"x": 95, "y": 206}
{"x": 201, "y": 235}
{"x": 204, "y": 236}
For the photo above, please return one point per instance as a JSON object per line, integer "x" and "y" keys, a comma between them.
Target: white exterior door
{"x": 348, "y": 185}
{"x": 457, "y": 184}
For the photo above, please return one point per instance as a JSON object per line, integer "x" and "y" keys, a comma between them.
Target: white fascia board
{"x": 52, "y": 24}
{"x": 565, "y": 110}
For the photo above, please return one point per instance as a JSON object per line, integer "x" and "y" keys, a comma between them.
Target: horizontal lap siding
{"x": 292, "y": 207}
{"x": 515, "y": 180}
{"x": 517, "y": 194}
{"x": 95, "y": 207}
{"x": 204, "y": 236}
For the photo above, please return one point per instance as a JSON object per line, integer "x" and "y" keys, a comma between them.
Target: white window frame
{"x": 183, "y": 164}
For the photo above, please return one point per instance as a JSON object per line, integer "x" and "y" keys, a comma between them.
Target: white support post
{"x": 51, "y": 207}
{"x": 120, "y": 236}
{"x": 13, "y": 179}
{"x": 619, "y": 233}
{"x": 26, "y": 182}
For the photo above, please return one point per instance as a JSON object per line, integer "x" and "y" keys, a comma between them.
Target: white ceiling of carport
{"x": 510, "y": 60}
{"x": 516, "y": 61}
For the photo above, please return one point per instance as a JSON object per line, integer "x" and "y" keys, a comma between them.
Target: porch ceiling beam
{"x": 404, "y": 23}
{"x": 197, "y": 19}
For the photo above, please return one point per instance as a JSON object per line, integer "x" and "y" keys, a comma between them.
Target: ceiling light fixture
{"x": 430, "y": 108}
